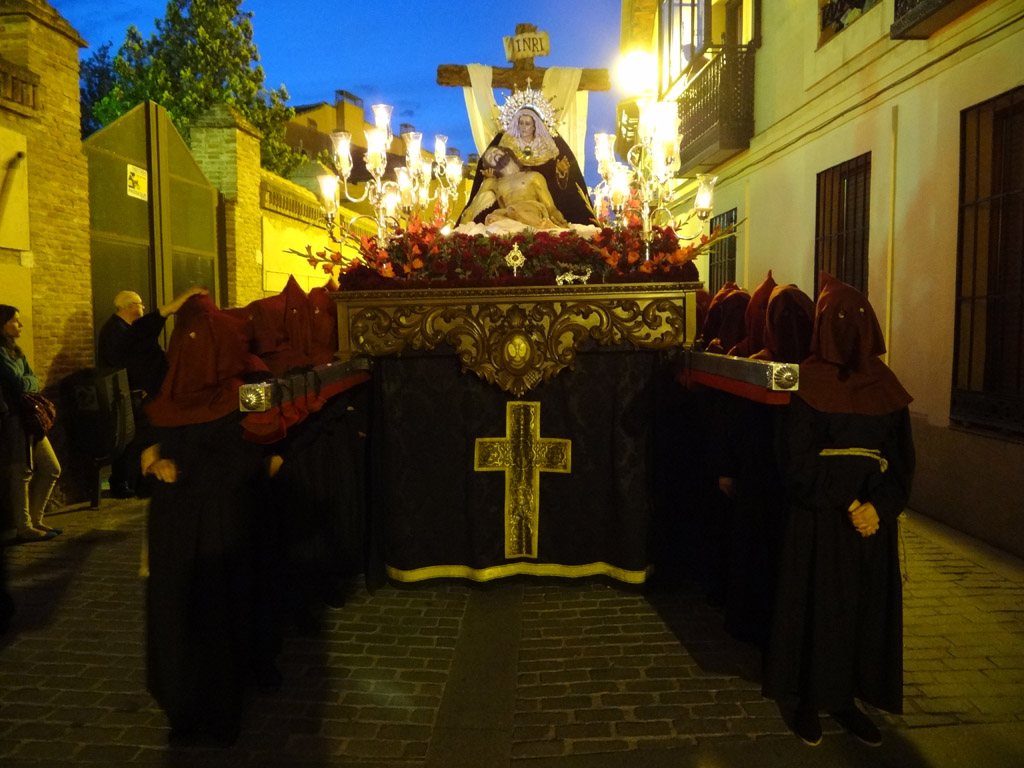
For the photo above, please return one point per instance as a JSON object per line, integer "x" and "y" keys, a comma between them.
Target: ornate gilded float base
{"x": 520, "y": 337}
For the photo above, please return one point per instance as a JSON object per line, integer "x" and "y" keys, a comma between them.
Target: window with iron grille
{"x": 841, "y": 227}
{"x": 988, "y": 369}
{"x": 684, "y": 29}
{"x": 722, "y": 254}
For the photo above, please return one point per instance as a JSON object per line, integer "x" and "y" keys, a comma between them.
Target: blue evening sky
{"x": 389, "y": 51}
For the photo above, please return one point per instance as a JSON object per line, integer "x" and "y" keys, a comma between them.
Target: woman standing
{"x": 32, "y": 468}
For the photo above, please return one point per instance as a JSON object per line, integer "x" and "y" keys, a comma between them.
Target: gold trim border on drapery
{"x": 517, "y": 569}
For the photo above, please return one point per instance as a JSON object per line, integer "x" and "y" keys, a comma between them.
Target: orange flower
{"x": 387, "y": 270}
{"x": 632, "y": 257}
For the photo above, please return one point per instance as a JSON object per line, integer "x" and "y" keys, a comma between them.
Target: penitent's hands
{"x": 164, "y": 470}
{"x": 864, "y": 517}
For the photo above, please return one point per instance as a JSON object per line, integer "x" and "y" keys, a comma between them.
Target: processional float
{"x": 517, "y": 309}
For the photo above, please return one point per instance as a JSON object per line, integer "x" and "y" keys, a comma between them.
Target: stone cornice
{"x": 45, "y": 14}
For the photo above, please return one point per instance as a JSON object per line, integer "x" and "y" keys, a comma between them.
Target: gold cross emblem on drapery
{"x": 522, "y": 454}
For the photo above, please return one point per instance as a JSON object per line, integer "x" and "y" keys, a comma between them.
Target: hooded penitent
{"x": 724, "y": 326}
{"x": 209, "y": 356}
{"x": 754, "y": 319}
{"x": 789, "y": 321}
{"x": 843, "y": 373}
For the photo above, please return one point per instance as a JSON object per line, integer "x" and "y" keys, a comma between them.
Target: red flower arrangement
{"x": 421, "y": 256}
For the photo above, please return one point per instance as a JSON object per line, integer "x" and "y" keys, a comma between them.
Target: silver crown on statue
{"x": 531, "y": 99}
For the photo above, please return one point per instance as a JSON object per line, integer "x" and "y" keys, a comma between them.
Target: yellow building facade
{"x": 884, "y": 145}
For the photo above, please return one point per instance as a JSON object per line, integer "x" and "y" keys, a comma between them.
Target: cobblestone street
{"x": 530, "y": 674}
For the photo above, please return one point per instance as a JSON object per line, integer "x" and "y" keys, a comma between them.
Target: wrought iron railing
{"x": 720, "y": 94}
{"x": 919, "y": 19}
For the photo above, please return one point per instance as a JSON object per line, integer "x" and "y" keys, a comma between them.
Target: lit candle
{"x": 329, "y": 191}
{"x": 439, "y": 147}
{"x": 382, "y": 119}
{"x": 405, "y": 186}
{"x": 621, "y": 177}
{"x": 453, "y": 168}
{"x": 647, "y": 121}
{"x": 390, "y": 202}
{"x": 343, "y": 151}
{"x": 375, "y": 148}
{"x": 704, "y": 200}
{"x": 413, "y": 148}
{"x": 604, "y": 144}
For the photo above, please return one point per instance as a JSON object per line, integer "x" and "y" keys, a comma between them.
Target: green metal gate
{"x": 153, "y": 213}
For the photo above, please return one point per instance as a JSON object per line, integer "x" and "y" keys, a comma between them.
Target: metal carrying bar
{"x": 264, "y": 395}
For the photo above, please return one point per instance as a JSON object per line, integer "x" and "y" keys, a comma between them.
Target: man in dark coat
{"x": 847, "y": 459}
{"x": 130, "y": 339}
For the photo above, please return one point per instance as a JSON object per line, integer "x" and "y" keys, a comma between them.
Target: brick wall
{"x": 36, "y": 37}
{"x": 227, "y": 149}
{"x": 55, "y": 271}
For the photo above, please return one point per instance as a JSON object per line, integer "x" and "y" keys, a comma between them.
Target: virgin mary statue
{"x": 528, "y": 131}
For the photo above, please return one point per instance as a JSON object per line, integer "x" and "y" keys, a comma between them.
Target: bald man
{"x": 130, "y": 339}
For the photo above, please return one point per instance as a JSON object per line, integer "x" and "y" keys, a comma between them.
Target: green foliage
{"x": 201, "y": 54}
{"x": 97, "y": 80}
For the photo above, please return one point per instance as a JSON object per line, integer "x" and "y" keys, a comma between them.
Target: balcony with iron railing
{"x": 716, "y": 109}
{"x": 920, "y": 19}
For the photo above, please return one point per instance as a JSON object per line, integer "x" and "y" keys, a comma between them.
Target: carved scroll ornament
{"x": 518, "y": 337}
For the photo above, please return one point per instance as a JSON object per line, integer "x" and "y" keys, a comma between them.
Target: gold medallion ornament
{"x": 515, "y": 259}
{"x": 522, "y": 455}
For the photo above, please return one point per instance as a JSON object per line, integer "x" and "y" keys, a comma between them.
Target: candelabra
{"x": 645, "y": 179}
{"x": 393, "y": 203}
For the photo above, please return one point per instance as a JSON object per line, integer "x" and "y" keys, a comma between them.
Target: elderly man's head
{"x": 128, "y": 306}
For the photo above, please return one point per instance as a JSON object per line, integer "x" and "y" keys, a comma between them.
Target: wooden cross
{"x": 522, "y": 455}
{"x": 521, "y": 70}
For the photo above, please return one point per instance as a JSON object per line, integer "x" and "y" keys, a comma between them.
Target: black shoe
{"x": 859, "y": 724}
{"x": 220, "y": 737}
{"x": 34, "y": 534}
{"x": 121, "y": 491}
{"x": 334, "y": 598}
{"x": 807, "y": 726}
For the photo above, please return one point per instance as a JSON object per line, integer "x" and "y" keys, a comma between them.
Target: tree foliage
{"x": 202, "y": 53}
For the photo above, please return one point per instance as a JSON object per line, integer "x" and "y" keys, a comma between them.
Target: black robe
{"x": 837, "y": 633}
{"x": 316, "y": 506}
{"x": 203, "y": 634}
{"x": 747, "y": 429}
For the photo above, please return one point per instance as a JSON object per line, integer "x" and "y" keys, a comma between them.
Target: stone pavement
{"x": 528, "y": 674}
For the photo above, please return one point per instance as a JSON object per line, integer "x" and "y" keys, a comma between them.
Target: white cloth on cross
{"x": 560, "y": 88}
